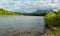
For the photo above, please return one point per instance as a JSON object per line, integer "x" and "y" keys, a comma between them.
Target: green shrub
{"x": 49, "y": 19}
{"x": 57, "y": 20}
{"x": 52, "y": 19}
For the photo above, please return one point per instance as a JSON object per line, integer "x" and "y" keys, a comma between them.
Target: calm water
{"x": 11, "y": 24}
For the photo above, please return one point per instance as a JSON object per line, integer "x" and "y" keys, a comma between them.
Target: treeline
{"x": 35, "y": 14}
{"x": 6, "y": 12}
{"x": 40, "y": 13}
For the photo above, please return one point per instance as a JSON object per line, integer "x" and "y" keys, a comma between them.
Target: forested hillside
{"x": 6, "y": 12}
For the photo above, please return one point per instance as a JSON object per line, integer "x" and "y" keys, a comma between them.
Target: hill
{"x": 6, "y": 12}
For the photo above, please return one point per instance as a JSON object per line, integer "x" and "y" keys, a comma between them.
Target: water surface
{"x": 10, "y": 24}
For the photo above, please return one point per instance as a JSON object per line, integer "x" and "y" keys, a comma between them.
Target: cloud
{"x": 32, "y": 6}
{"x": 29, "y": 5}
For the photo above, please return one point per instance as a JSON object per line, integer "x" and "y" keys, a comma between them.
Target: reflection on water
{"x": 11, "y": 24}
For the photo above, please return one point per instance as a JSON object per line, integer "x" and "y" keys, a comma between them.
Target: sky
{"x": 29, "y": 6}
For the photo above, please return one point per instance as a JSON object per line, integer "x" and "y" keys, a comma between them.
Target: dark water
{"x": 11, "y": 24}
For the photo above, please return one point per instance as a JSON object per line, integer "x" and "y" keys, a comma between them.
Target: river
{"x": 11, "y": 24}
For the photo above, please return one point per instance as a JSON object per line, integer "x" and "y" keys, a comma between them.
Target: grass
{"x": 55, "y": 32}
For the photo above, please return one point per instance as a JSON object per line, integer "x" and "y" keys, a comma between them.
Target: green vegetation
{"x": 52, "y": 21}
{"x": 8, "y": 13}
{"x": 4, "y": 12}
{"x": 41, "y": 13}
{"x": 35, "y": 14}
{"x": 49, "y": 19}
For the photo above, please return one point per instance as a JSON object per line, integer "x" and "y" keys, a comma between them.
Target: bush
{"x": 57, "y": 20}
{"x": 49, "y": 19}
{"x": 52, "y": 20}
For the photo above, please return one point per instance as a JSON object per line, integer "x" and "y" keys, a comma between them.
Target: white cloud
{"x": 43, "y": 5}
{"x": 18, "y": 7}
{"x": 29, "y": 5}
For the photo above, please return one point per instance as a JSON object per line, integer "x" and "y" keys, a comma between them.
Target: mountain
{"x": 50, "y": 10}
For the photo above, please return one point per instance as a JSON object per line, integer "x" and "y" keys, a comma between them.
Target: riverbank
{"x": 52, "y": 22}
{"x": 50, "y": 32}
{"x": 11, "y": 15}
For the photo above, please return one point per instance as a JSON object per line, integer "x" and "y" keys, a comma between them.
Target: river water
{"x": 11, "y": 24}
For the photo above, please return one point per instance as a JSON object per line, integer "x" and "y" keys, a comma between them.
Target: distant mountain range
{"x": 49, "y": 10}
{"x": 39, "y": 12}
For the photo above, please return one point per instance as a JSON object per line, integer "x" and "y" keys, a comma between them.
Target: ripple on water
{"x": 10, "y": 25}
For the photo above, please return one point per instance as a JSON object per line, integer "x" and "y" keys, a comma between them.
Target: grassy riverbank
{"x": 52, "y": 21}
{"x": 53, "y": 32}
